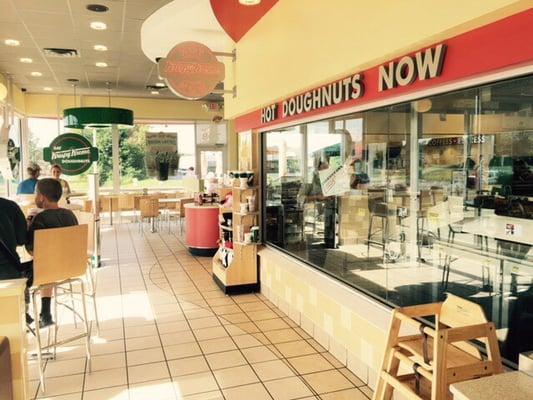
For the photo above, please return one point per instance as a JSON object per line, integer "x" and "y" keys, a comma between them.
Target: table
{"x": 518, "y": 230}
{"x": 13, "y": 326}
{"x": 202, "y": 232}
{"x": 110, "y": 198}
{"x": 507, "y": 386}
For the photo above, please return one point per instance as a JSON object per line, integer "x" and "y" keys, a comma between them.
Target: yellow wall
{"x": 303, "y": 43}
{"x": 353, "y": 328}
{"x": 51, "y": 105}
{"x": 14, "y": 97}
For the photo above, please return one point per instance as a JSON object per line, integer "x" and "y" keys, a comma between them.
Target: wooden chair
{"x": 149, "y": 208}
{"x": 59, "y": 258}
{"x": 438, "y": 357}
{"x": 126, "y": 202}
{"x": 85, "y": 218}
{"x": 182, "y": 210}
{"x": 109, "y": 203}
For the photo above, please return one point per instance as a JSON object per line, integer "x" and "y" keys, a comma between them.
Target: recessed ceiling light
{"x": 97, "y": 7}
{"x": 100, "y": 47}
{"x": 36, "y": 73}
{"x": 154, "y": 92}
{"x": 98, "y": 25}
{"x": 249, "y": 2}
{"x": 160, "y": 78}
{"x": 12, "y": 42}
{"x": 47, "y": 89}
{"x": 101, "y": 64}
{"x": 160, "y": 84}
{"x": 26, "y": 60}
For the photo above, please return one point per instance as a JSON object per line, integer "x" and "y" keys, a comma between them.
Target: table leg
{"x": 110, "y": 211}
{"x": 152, "y": 225}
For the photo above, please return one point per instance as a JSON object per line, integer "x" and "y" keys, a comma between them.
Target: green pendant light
{"x": 96, "y": 117}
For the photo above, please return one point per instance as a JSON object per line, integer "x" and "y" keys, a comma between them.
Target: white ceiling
{"x": 179, "y": 21}
{"x": 65, "y": 23}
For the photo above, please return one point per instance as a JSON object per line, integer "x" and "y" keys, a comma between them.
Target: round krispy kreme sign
{"x": 72, "y": 152}
{"x": 191, "y": 70}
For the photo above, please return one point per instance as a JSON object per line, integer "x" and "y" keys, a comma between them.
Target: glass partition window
{"x": 411, "y": 201}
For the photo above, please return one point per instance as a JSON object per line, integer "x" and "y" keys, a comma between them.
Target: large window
{"x": 140, "y": 146}
{"x": 411, "y": 201}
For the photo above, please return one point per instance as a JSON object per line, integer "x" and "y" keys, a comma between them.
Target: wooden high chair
{"x": 438, "y": 357}
{"x": 59, "y": 258}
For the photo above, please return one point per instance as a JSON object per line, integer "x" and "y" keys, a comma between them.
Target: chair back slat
{"x": 59, "y": 254}
{"x": 457, "y": 312}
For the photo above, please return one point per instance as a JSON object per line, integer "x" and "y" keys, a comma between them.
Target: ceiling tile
{"x": 35, "y": 18}
{"x": 51, "y": 6}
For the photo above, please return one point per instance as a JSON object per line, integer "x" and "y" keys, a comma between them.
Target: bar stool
{"x": 126, "y": 202}
{"x": 53, "y": 268}
{"x": 149, "y": 209}
{"x": 85, "y": 218}
{"x": 379, "y": 210}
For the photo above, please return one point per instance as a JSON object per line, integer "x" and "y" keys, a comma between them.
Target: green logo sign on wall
{"x": 72, "y": 152}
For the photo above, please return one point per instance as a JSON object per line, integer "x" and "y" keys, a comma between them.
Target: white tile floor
{"x": 168, "y": 332}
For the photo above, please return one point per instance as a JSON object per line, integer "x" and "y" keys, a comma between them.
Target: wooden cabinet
{"x": 240, "y": 275}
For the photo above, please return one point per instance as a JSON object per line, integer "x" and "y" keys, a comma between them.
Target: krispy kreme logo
{"x": 191, "y": 70}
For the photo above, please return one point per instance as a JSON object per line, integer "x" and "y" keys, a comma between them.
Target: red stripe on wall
{"x": 501, "y": 44}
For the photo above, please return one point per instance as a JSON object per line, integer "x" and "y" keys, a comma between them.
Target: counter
{"x": 508, "y": 386}
{"x": 13, "y": 326}
{"x": 201, "y": 224}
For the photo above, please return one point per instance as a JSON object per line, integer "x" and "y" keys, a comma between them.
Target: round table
{"x": 202, "y": 231}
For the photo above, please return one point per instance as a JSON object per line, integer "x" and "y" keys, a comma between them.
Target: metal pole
{"x": 116, "y": 159}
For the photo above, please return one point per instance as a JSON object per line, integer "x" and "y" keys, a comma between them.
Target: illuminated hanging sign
{"x": 423, "y": 65}
{"x": 72, "y": 152}
{"x": 191, "y": 70}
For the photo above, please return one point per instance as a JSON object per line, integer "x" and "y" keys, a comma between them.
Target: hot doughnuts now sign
{"x": 191, "y": 70}
{"x": 422, "y": 65}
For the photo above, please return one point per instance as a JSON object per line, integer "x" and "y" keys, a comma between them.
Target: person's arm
{"x": 34, "y": 225}
{"x": 20, "y": 226}
{"x": 67, "y": 188}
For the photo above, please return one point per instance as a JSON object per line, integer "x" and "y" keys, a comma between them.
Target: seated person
{"x": 12, "y": 234}
{"x": 56, "y": 171}
{"x": 27, "y": 186}
{"x": 47, "y": 194}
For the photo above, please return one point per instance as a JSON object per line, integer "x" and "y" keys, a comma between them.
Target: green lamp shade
{"x": 96, "y": 117}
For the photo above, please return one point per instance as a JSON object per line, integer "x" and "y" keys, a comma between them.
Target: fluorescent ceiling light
{"x": 249, "y": 2}
{"x": 154, "y": 92}
{"x": 98, "y": 25}
{"x": 101, "y": 64}
{"x": 36, "y": 73}
{"x": 47, "y": 89}
{"x": 12, "y": 42}
{"x": 160, "y": 84}
{"x": 26, "y": 60}
{"x": 100, "y": 47}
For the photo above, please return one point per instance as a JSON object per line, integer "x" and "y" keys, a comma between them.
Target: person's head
{"x": 47, "y": 193}
{"x": 33, "y": 171}
{"x": 191, "y": 169}
{"x": 56, "y": 171}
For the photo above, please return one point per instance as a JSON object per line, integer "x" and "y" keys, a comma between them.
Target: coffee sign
{"x": 72, "y": 152}
{"x": 191, "y": 70}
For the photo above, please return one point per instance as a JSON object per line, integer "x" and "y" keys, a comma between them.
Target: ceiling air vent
{"x": 55, "y": 52}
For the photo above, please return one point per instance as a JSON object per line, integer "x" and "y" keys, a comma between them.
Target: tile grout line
{"x": 178, "y": 303}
